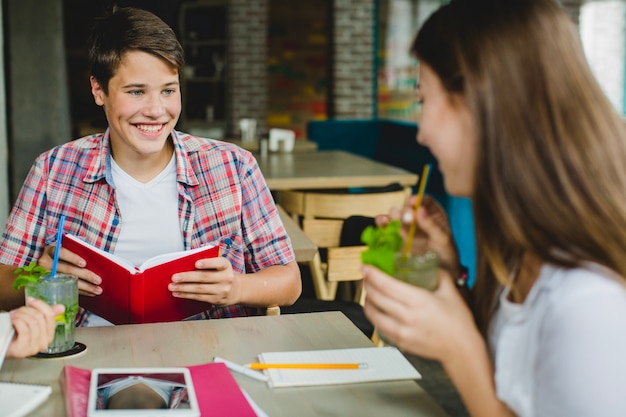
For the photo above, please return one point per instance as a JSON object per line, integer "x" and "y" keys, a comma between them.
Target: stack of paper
{"x": 380, "y": 364}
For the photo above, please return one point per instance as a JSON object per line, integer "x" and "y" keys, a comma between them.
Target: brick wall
{"x": 353, "y": 55}
{"x": 247, "y": 70}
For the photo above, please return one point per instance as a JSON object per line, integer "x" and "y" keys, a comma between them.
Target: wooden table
{"x": 303, "y": 247}
{"x": 241, "y": 340}
{"x": 299, "y": 145}
{"x": 328, "y": 169}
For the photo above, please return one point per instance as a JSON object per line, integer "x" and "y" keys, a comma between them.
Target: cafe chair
{"x": 322, "y": 216}
{"x": 270, "y": 311}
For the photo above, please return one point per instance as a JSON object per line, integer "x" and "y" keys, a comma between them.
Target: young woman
{"x": 518, "y": 123}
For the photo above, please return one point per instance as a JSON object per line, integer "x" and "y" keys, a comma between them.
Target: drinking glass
{"x": 58, "y": 289}
{"x": 421, "y": 270}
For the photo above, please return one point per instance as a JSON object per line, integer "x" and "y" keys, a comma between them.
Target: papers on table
{"x": 383, "y": 364}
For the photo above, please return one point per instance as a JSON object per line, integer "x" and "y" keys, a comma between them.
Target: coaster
{"x": 78, "y": 347}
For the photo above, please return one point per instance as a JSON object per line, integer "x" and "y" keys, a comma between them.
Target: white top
{"x": 142, "y": 206}
{"x": 563, "y": 351}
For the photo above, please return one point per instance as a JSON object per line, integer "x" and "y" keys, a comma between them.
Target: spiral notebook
{"x": 17, "y": 400}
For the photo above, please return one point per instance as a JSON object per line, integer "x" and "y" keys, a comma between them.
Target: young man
{"x": 141, "y": 188}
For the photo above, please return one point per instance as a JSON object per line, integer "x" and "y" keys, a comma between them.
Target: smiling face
{"x": 142, "y": 106}
{"x": 447, "y": 128}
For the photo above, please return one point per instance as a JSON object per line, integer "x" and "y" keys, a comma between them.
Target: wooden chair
{"x": 270, "y": 311}
{"x": 322, "y": 215}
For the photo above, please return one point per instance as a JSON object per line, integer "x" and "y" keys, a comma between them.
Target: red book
{"x": 217, "y": 391}
{"x": 138, "y": 294}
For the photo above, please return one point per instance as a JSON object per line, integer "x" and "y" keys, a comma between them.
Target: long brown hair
{"x": 551, "y": 167}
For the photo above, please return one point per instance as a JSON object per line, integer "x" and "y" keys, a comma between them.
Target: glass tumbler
{"x": 58, "y": 289}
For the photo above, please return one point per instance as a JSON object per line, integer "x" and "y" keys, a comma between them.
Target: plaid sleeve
{"x": 262, "y": 229}
{"x": 24, "y": 236}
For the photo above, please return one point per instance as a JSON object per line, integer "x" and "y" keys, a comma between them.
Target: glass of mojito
{"x": 58, "y": 289}
{"x": 421, "y": 270}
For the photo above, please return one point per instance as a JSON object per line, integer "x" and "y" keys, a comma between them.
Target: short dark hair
{"x": 127, "y": 29}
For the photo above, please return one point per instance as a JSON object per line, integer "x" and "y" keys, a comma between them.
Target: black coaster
{"x": 78, "y": 347}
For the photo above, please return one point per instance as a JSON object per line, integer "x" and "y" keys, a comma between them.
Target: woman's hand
{"x": 34, "y": 326}
{"x": 433, "y": 230}
{"x": 424, "y": 323}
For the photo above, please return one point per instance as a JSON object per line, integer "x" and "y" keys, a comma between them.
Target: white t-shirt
{"x": 563, "y": 351}
{"x": 149, "y": 213}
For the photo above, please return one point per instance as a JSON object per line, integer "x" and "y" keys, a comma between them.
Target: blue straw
{"x": 55, "y": 262}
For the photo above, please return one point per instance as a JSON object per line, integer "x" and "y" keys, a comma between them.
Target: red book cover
{"x": 217, "y": 391}
{"x": 138, "y": 294}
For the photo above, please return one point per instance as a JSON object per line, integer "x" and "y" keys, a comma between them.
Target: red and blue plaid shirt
{"x": 223, "y": 198}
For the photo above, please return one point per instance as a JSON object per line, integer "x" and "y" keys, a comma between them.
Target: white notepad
{"x": 17, "y": 400}
{"x": 383, "y": 364}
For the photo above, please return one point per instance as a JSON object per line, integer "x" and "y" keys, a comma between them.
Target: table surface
{"x": 303, "y": 247}
{"x": 240, "y": 340}
{"x": 328, "y": 169}
{"x": 299, "y": 145}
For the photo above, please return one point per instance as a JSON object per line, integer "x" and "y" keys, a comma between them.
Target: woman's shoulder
{"x": 580, "y": 281}
{"x": 589, "y": 289}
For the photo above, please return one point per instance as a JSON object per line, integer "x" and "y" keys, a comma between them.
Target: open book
{"x": 138, "y": 294}
{"x": 17, "y": 400}
{"x": 378, "y": 364}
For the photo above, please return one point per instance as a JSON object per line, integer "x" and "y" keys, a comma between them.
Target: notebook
{"x": 382, "y": 364}
{"x": 17, "y": 400}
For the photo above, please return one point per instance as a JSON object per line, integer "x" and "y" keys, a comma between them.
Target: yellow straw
{"x": 418, "y": 203}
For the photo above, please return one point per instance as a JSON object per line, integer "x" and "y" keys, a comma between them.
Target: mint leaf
{"x": 382, "y": 245}
{"x": 28, "y": 273}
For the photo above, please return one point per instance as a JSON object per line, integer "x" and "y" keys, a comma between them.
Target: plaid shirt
{"x": 223, "y": 198}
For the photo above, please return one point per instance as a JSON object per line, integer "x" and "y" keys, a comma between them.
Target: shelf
{"x": 204, "y": 38}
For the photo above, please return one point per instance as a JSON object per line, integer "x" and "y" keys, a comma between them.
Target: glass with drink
{"x": 58, "y": 289}
{"x": 421, "y": 270}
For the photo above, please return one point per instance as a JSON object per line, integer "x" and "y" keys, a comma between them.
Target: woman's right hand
{"x": 34, "y": 326}
{"x": 433, "y": 230}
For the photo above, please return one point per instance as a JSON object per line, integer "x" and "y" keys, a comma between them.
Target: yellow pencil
{"x": 307, "y": 365}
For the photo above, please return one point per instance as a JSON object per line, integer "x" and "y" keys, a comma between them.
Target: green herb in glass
{"x": 29, "y": 273}
{"x": 382, "y": 245}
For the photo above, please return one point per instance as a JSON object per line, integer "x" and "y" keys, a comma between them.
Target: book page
{"x": 383, "y": 364}
{"x": 117, "y": 259}
{"x": 166, "y": 257}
